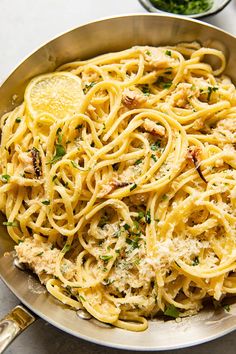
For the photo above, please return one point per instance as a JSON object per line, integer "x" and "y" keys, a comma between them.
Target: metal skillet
{"x": 106, "y": 35}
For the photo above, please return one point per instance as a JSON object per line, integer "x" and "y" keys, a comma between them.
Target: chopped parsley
{"x": 39, "y": 254}
{"x": 154, "y": 158}
{"x": 163, "y": 82}
{"x": 226, "y": 307}
{"x": 66, "y": 248}
{"x": 168, "y": 52}
{"x": 211, "y": 89}
{"x": 126, "y": 227}
{"x": 103, "y": 221}
{"x": 59, "y": 136}
{"x": 82, "y": 298}
{"x": 5, "y": 178}
{"x": 46, "y": 202}
{"x": 184, "y": 7}
{"x": 133, "y": 187}
{"x": 10, "y": 223}
{"x": 167, "y": 85}
{"x": 145, "y": 90}
{"x": 168, "y": 71}
{"x": 18, "y": 120}
{"x": 108, "y": 281}
{"x": 140, "y": 215}
{"x": 164, "y": 197}
{"x": 106, "y": 258}
{"x": 136, "y": 225}
{"x": 133, "y": 243}
{"x": 74, "y": 164}
{"x": 87, "y": 87}
{"x": 60, "y": 152}
{"x": 138, "y": 162}
{"x": 156, "y": 145}
{"x": 195, "y": 261}
{"x": 171, "y": 311}
{"x": 148, "y": 217}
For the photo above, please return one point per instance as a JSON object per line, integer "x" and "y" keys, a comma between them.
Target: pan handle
{"x": 13, "y": 324}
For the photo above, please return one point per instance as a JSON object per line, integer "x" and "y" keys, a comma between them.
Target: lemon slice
{"x": 56, "y": 94}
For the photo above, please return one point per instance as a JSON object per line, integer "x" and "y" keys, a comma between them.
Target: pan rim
{"x": 51, "y": 320}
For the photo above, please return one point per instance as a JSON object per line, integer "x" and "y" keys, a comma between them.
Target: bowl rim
{"x": 151, "y": 8}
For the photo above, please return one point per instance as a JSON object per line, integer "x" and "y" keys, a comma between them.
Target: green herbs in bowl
{"x": 183, "y": 7}
{"x": 188, "y": 8}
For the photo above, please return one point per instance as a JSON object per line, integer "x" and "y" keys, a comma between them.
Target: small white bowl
{"x": 217, "y": 6}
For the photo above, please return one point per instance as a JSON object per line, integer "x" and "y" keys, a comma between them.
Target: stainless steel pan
{"x": 98, "y": 37}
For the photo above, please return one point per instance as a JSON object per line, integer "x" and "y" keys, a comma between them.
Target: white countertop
{"x": 24, "y": 26}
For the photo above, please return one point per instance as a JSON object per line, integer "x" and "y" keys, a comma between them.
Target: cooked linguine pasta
{"x": 118, "y": 181}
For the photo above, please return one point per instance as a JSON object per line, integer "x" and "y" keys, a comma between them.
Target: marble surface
{"x": 24, "y": 26}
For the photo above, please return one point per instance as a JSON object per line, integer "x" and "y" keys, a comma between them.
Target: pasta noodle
{"x": 118, "y": 182}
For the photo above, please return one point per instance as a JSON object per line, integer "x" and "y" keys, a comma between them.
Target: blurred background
{"x": 25, "y": 25}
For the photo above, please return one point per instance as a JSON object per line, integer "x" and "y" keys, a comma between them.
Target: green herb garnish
{"x": 59, "y": 136}
{"x": 60, "y": 152}
{"x": 126, "y": 227}
{"x": 103, "y": 221}
{"x": 88, "y": 87}
{"x": 74, "y": 164}
{"x": 133, "y": 243}
{"x": 106, "y": 258}
{"x": 211, "y": 89}
{"x": 5, "y": 178}
{"x": 154, "y": 158}
{"x": 167, "y": 85}
{"x": 140, "y": 215}
{"x": 133, "y": 187}
{"x": 145, "y": 90}
{"x": 46, "y": 202}
{"x": 156, "y": 146}
{"x": 148, "y": 217}
{"x": 168, "y": 52}
{"x": 10, "y": 223}
{"x": 138, "y": 162}
{"x": 195, "y": 261}
{"x": 226, "y": 307}
{"x": 39, "y": 254}
{"x": 184, "y": 7}
{"x": 171, "y": 311}
{"x": 82, "y": 298}
{"x": 66, "y": 248}
{"x": 18, "y": 120}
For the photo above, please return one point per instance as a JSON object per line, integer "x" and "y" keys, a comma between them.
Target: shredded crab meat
{"x": 156, "y": 58}
{"x": 132, "y": 99}
{"x": 41, "y": 258}
{"x": 182, "y": 94}
{"x": 153, "y": 128}
{"x": 111, "y": 186}
{"x": 26, "y": 162}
